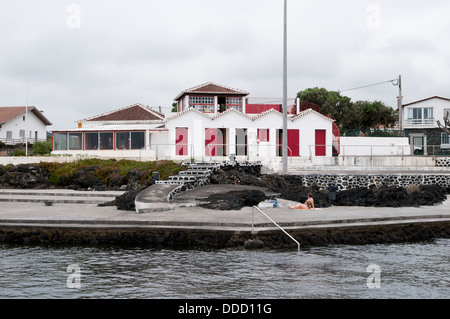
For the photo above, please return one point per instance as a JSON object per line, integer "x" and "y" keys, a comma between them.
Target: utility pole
{"x": 400, "y": 105}
{"x": 26, "y": 123}
{"x": 284, "y": 148}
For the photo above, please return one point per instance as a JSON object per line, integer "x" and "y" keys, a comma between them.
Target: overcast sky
{"x": 83, "y": 58}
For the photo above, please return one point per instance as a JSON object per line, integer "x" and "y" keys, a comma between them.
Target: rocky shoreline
{"x": 289, "y": 187}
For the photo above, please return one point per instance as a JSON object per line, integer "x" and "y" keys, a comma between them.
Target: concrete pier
{"x": 26, "y": 217}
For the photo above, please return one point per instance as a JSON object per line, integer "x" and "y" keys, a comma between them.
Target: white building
{"x": 17, "y": 125}
{"x": 420, "y": 122}
{"x": 211, "y": 124}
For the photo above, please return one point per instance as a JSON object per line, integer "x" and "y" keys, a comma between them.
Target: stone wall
{"x": 196, "y": 238}
{"x": 348, "y": 181}
{"x": 443, "y": 162}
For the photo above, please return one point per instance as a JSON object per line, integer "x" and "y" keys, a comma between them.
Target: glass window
{"x": 60, "y": 141}
{"x": 137, "y": 140}
{"x": 445, "y": 138}
{"x": 123, "y": 140}
{"x": 202, "y": 103}
{"x": 106, "y": 141}
{"x": 428, "y": 113}
{"x": 75, "y": 141}
{"x": 234, "y": 102}
{"x": 91, "y": 141}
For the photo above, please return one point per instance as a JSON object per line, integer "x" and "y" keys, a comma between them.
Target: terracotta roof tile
{"x": 135, "y": 112}
{"x": 211, "y": 88}
{"x": 10, "y": 112}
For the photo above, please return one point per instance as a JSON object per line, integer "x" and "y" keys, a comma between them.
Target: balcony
{"x": 419, "y": 122}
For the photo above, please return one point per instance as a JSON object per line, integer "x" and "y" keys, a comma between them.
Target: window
{"x": 91, "y": 141}
{"x": 9, "y": 135}
{"x": 234, "y": 102}
{"x": 106, "y": 141}
{"x": 22, "y": 133}
{"x": 202, "y": 103}
{"x": 445, "y": 139}
{"x": 60, "y": 141}
{"x": 419, "y": 115}
{"x": 130, "y": 140}
{"x": 75, "y": 141}
{"x": 137, "y": 140}
{"x": 123, "y": 140}
{"x": 447, "y": 113}
{"x": 263, "y": 135}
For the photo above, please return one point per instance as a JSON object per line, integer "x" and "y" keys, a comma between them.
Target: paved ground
{"x": 180, "y": 215}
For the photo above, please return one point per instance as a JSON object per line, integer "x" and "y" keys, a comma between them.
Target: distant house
{"x": 211, "y": 124}
{"x": 17, "y": 125}
{"x": 419, "y": 122}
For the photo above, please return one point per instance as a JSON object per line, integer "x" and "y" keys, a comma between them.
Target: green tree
{"x": 331, "y": 103}
{"x": 174, "y": 107}
{"x": 348, "y": 114}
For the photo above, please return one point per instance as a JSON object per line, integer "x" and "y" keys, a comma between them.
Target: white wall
{"x": 438, "y": 106}
{"x": 197, "y": 123}
{"x": 375, "y": 146}
{"x": 17, "y": 124}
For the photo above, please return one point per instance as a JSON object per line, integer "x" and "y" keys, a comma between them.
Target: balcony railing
{"x": 22, "y": 140}
{"x": 420, "y": 121}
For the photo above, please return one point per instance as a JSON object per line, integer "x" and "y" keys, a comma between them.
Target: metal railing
{"x": 22, "y": 140}
{"x": 364, "y": 150}
{"x": 253, "y": 224}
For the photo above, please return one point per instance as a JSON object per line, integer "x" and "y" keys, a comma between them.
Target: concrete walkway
{"x": 18, "y": 209}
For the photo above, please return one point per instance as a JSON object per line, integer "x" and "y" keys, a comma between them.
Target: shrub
{"x": 42, "y": 148}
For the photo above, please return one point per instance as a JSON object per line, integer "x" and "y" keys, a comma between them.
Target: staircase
{"x": 158, "y": 196}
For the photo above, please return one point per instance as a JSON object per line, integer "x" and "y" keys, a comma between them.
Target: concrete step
{"x": 195, "y": 172}
{"x": 57, "y": 196}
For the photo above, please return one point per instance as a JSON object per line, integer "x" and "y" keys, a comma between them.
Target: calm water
{"x": 417, "y": 270}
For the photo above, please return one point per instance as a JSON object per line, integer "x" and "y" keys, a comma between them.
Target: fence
{"x": 22, "y": 140}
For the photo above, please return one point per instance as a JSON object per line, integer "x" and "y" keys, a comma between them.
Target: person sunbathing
{"x": 309, "y": 204}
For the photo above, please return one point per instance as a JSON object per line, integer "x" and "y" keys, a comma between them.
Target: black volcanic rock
{"x": 233, "y": 200}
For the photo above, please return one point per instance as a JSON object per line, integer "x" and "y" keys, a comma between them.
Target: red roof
{"x": 429, "y": 98}
{"x": 211, "y": 89}
{"x": 10, "y": 112}
{"x": 135, "y": 112}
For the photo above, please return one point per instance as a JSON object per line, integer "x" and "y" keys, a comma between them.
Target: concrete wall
{"x": 375, "y": 146}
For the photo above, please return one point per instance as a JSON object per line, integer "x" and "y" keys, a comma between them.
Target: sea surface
{"x": 409, "y": 270}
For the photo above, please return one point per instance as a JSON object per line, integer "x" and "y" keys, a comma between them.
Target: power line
{"x": 365, "y": 86}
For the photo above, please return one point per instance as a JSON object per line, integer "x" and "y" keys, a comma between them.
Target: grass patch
{"x": 108, "y": 170}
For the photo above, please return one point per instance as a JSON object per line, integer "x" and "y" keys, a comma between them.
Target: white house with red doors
{"x": 213, "y": 122}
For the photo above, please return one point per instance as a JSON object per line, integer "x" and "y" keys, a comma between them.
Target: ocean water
{"x": 409, "y": 270}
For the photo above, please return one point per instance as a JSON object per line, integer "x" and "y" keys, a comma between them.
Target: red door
{"x": 293, "y": 142}
{"x": 181, "y": 140}
{"x": 210, "y": 141}
{"x": 320, "y": 142}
